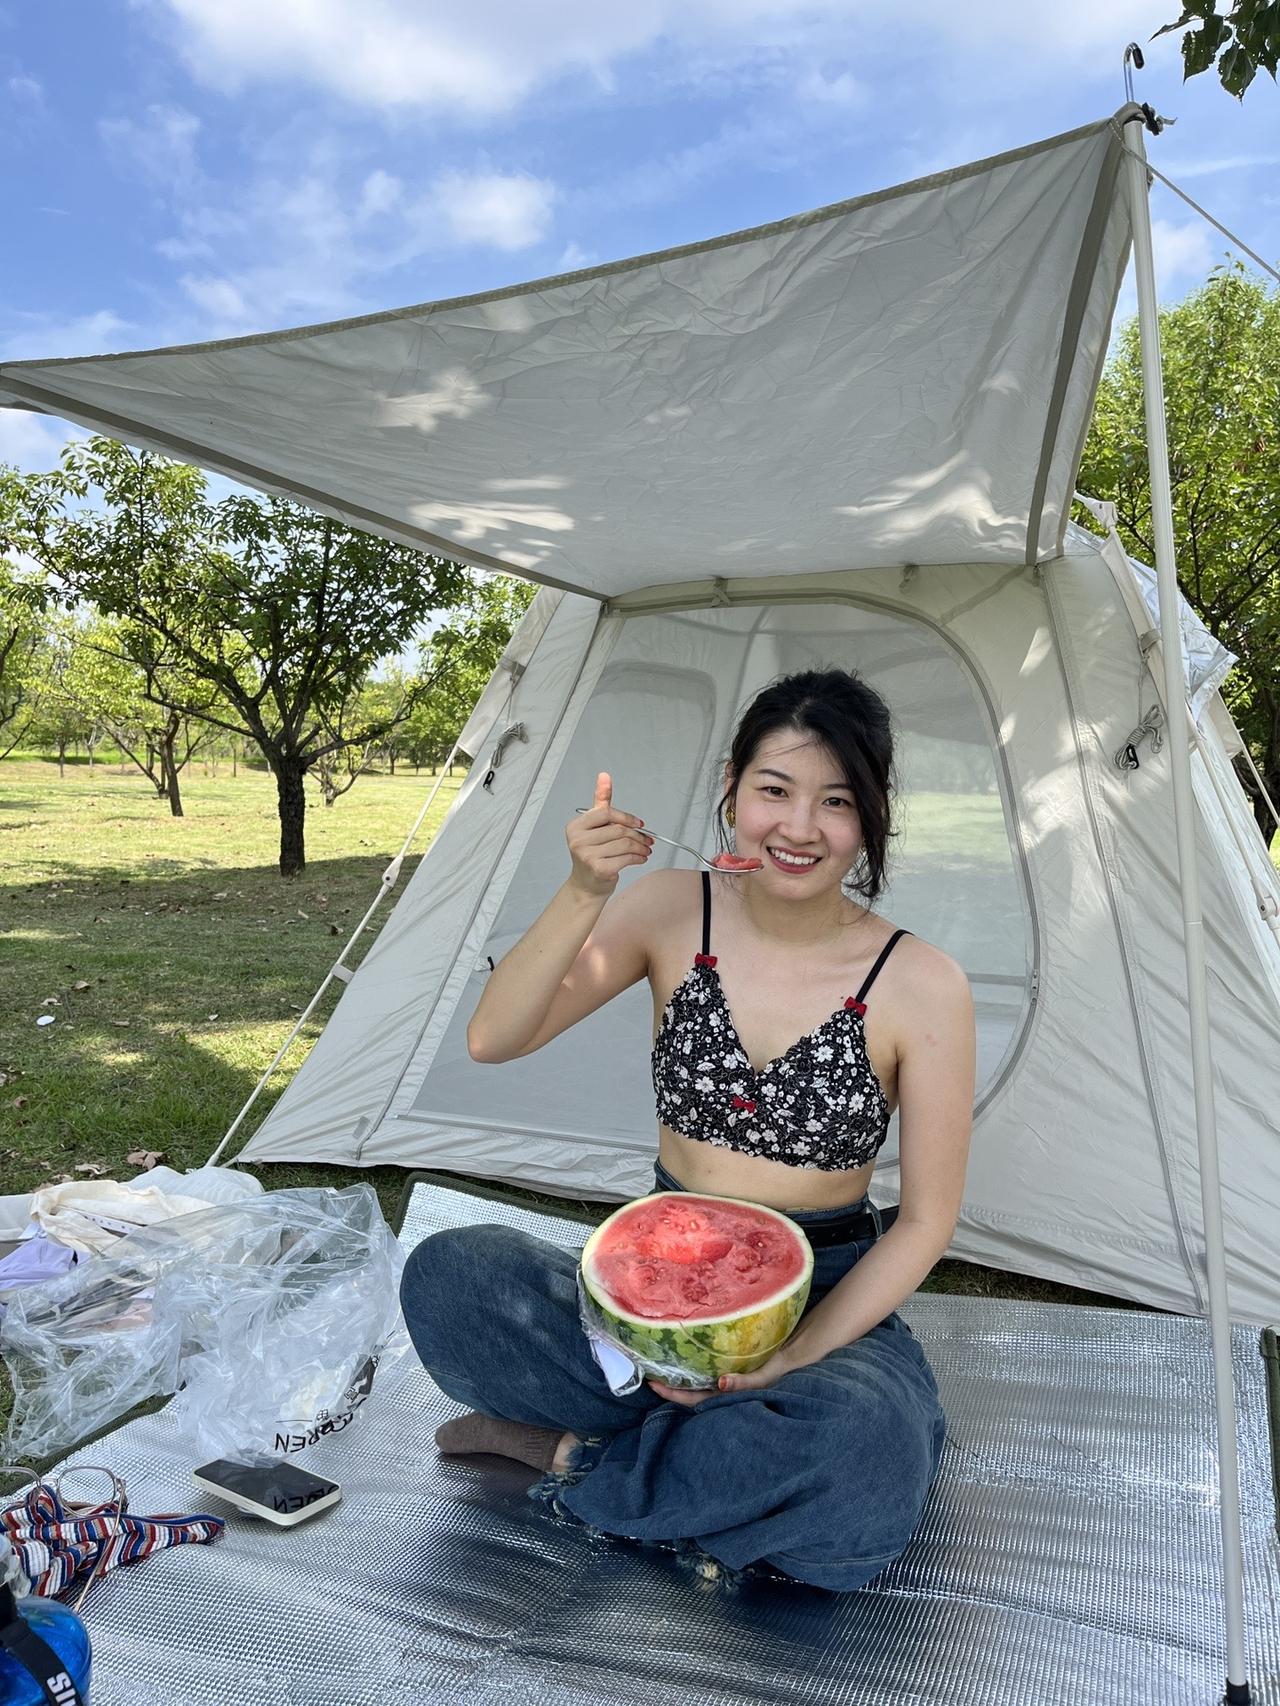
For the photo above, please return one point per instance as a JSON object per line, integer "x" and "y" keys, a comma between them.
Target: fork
{"x": 684, "y": 848}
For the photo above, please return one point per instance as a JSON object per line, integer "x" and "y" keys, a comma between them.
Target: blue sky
{"x": 180, "y": 170}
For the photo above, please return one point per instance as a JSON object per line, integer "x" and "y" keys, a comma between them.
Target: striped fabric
{"x": 59, "y": 1545}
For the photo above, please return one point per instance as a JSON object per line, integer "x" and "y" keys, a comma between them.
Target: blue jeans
{"x": 821, "y": 1477}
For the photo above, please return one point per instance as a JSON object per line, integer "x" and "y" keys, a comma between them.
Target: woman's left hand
{"x": 768, "y": 1374}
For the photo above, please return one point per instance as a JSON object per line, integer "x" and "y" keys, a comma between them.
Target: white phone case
{"x": 251, "y": 1507}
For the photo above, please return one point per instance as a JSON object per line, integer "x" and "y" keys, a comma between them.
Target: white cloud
{"x": 39, "y": 336}
{"x": 161, "y": 144}
{"x": 574, "y": 256}
{"x": 487, "y": 56}
{"x": 1178, "y": 170}
{"x": 33, "y": 443}
{"x": 217, "y": 297}
{"x": 379, "y": 194}
{"x": 504, "y": 211}
{"x": 840, "y": 90}
{"x": 1181, "y": 251}
{"x": 28, "y": 90}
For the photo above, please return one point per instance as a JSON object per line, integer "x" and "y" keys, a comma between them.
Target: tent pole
{"x": 1237, "y": 1691}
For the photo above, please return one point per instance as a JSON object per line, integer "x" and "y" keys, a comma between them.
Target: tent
{"x": 847, "y": 437}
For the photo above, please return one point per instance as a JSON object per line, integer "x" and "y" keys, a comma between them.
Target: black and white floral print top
{"x": 818, "y": 1105}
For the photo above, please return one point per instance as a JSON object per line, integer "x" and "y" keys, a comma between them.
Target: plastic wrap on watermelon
{"x": 687, "y": 1287}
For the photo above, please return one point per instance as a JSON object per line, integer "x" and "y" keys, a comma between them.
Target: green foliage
{"x": 1221, "y": 351}
{"x": 257, "y": 616}
{"x": 24, "y": 598}
{"x": 1244, "y": 35}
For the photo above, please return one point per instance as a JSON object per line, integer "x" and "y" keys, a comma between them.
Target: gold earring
{"x": 730, "y": 816}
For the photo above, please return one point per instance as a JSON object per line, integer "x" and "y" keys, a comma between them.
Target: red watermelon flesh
{"x": 733, "y": 862}
{"x": 706, "y": 1285}
{"x": 696, "y": 1260}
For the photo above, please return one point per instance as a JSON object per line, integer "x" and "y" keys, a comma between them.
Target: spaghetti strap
{"x": 884, "y": 955}
{"x": 706, "y": 915}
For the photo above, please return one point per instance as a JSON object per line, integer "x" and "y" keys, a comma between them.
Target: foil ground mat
{"x": 1069, "y": 1553}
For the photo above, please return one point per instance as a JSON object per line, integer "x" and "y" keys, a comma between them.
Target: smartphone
{"x": 281, "y": 1492}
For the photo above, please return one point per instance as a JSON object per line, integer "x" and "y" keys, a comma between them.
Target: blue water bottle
{"x": 44, "y": 1647}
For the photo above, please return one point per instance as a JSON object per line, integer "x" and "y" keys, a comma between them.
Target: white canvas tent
{"x": 850, "y": 437}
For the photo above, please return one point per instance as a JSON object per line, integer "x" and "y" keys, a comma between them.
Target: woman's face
{"x": 795, "y": 812}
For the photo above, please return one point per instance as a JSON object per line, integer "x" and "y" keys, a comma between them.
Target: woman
{"x": 774, "y": 1083}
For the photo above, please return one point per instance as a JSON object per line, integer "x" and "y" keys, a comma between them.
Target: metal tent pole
{"x": 1237, "y": 1689}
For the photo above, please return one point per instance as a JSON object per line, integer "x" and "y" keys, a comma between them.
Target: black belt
{"x": 848, "y": 1228}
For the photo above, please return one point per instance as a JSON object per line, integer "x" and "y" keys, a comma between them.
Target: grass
{"x": 174, "y": 961}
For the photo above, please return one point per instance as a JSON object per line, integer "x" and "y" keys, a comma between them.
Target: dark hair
{"x": 852, "y": 721}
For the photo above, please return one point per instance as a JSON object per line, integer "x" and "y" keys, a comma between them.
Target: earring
{"x": 730, "y": 816}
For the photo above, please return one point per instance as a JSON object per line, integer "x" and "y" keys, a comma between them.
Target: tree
{"x": 1242, "y": 36}
{"x": 279, "y": 611}
{"x": 115, "y": 681}
{"x": 57, "y": 721}
{"x": 1221, "y": 349}
{"x": 460, "y": 660}
{"x": 22, "y": 603}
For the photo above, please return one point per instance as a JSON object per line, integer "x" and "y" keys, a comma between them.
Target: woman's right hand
{"x": 604, "y": 841}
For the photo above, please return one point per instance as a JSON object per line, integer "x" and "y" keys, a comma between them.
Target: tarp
{"x": 902, "y": 378}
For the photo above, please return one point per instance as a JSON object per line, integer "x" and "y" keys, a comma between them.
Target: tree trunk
{"x": 62, "y": 759}
{"x": 291, "y": 795}
{"x": 169, "y": 776}
{"x": 392, "y": 757}
{"x": 234, "y": 754}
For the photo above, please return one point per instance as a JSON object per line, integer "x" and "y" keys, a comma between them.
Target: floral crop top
{"x": 818, "y": 1105}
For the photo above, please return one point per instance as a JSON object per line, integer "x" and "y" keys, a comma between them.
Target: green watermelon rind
{"x": 695, "y": 1355}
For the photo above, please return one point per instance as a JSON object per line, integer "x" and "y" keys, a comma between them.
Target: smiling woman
{"x": 775, "y": 1083}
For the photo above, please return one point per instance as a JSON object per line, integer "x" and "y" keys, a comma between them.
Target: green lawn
{"x": 174, "y": 960}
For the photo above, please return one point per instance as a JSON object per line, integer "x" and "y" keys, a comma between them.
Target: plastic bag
{"x": 612, "y": 1355}
{"x": 268, "y": 1316}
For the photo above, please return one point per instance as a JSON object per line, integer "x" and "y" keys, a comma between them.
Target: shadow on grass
{"x": 180, "y": 885}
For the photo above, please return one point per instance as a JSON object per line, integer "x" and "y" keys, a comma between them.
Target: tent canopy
{"x": 905, "y": 378}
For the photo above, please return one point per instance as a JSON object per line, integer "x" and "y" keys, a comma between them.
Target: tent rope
{"x": 1204, "y": 214}
{"x": 339, "y": 969}
{"x": 1261, "y": 785}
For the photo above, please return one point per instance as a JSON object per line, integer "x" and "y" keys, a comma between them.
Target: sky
{"x": 179, "y": 170}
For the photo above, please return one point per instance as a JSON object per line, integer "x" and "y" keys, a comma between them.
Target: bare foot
{"x": 568, "y": 1442}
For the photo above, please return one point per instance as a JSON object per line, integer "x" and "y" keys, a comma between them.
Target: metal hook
{"x": 1132, "y": 57}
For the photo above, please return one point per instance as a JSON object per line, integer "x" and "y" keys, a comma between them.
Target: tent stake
{"x": 1237, "y": 1690}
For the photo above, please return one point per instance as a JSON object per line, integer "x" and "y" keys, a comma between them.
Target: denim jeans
{"x": 821, "y": 1477}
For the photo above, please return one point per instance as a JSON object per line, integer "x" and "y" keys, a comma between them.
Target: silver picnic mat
{"x": 1069, "y": 1552}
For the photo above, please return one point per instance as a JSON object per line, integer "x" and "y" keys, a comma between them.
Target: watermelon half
{"x": 693, "y": 1287}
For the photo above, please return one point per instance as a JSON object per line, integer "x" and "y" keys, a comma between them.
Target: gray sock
{"x": 476, "y": 1432}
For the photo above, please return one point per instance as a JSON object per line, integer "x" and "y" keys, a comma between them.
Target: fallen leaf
{"x": 144, "y": 1157}
{"x": 4, "y": 1079}
{"x": 302, "y": 914}
{"x": 51, "y": 1001}
{"x": 221, "y": 896}
{"x": 83, "y": 984}
{"x": 94, "y": 1167}
{"x": 19, "y": 1101}
{"x": 121, "y": 1024}
{"x": 212, "y": 1017}
{"x": 333, "y": 930}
